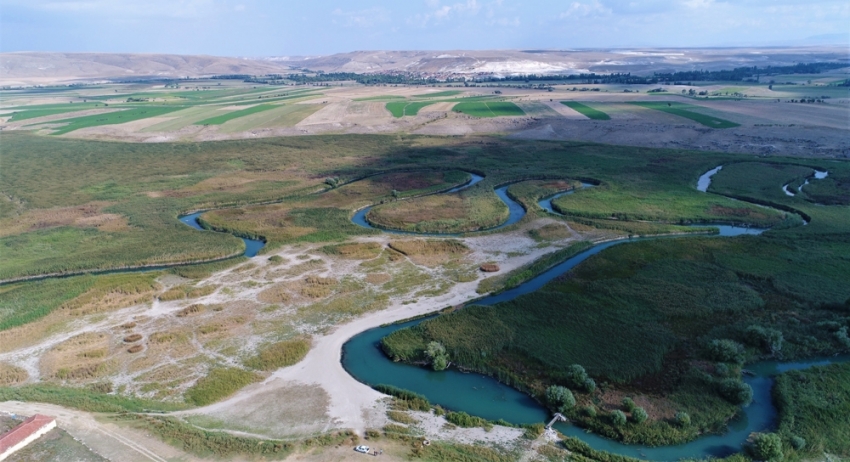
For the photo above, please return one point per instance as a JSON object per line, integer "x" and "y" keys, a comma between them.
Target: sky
{"x": 318, "y": 27}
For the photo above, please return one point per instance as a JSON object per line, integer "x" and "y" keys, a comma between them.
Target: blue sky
{"x": 311, "y": 27}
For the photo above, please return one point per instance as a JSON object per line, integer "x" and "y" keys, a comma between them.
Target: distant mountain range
{"x": 42, "y": 68}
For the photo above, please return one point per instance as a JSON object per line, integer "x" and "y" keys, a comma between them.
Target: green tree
{"x": 639, "y": 415}
{"x": 560, "y": 398}
{"x": 618, "y": 418}
{"x": 736, "y": 392}
{"x": 628, "y": 404}
{"x": 766, "y": 446}
{"x": 437, "y": 353}
{"x": 683, "y": 418}
{"x": 726, "y": 351}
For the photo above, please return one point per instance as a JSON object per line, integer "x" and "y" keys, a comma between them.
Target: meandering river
{"x": 484, "y": 396}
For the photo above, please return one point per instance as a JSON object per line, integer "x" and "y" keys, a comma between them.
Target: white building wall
{"x": 28, "y": 440}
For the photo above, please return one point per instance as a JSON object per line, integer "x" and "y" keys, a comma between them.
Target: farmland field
{"x": 685, "y": 110}
{"x": 403, "y": 108}
{"x": 218, "y": 120}
{"x": 489, "y": 109}
{"x": 118, "y": 117}
{"x": 586, "y": 111}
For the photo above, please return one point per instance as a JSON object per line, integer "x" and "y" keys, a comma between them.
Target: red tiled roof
{"x": 23, "y": 431}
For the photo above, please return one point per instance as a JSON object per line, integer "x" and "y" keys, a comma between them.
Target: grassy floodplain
{"x": 668, "y": 302}
{"x": 586, "y": 110}
{"x": 686, "y": 111}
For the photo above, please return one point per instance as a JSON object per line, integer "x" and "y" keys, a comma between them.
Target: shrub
{"x": 409, "y": 399}
{"x": 770, "y": 340}
{"x": 765, "y": 446}
{"x": 798, "y": 442}
{"x": 683, "y": 418}
{"x": 628, "y": 404}
{"x": 722, "y": 369}
{"x": 726, "y": 351}
{"x": 560, "y": 398}
{"x": 639, "y": 415}
{"x": 218, "y": 384}
{"x": 842, "y": 337}
{"x": 590, "y": 410}
{"x": 462, "y": 419}
{"x": 439, "y": 358}
{"x": 618, "y": 418}
{"x": 736, "y": 392}
{"x": 275, "y": 259}
{"x": 577, "y": 378}
{"x": 280, "y": 354}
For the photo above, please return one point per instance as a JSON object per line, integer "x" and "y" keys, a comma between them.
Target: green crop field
{"x": 31, "y": 112}
{"x": 586, "y": 111}
{"x": 684, "y": 110}
{"x": 489, "y": 109}
{"x": 439, "y": 94}
{"x": 218, "y": 120}
{"x": 111, "y": 118}
{"x": 402, "y": 108}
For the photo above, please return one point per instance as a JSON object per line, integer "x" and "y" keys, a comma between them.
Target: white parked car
{"x": 363, "y": 449}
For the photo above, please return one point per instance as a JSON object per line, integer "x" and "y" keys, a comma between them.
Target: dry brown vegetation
{"x": 90, "y": 215}
{"x": 551, "y": 232}
{"x": 377, "y": 278}
{"x": 277, "y": 293}
{"x": 190, "y": 310}
{"x": 354, "y": 251}
{"x": 132, "y": 338}
{"x": 135, "y": 348}
{"x": 430, "y": 252}
{"x": 490, "y": 267}
{"x": 81, "y": 357}
{"x": 186, "y": 291}
{"x": 12, "y": 375}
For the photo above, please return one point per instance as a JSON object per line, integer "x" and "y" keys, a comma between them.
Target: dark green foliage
{"x": 462, "y": 419}
{"x": 798, "y": 442}
{"x": 735, "y": 391}
{"x": 456, "y": 452}
{"x": 560, "y": 398}
{"x": 628, "y": 404}
{"x": 408, "y": 399}
{"x": 577, "y": 379}
{"x": 639, "y": 415}
{"x": 436, "y": 352}
{"x": 683, "y": 418}
{"x": 590, "y": 410}
{"x": 770, "y": 340}
{"x": 589, "y": 454}
{"x": 726, "y": 351}
{"x": 765, "y": 446}
{"x": 534, "y": 431}
{"x": 218, "y": 384}
{"x": 618, "y": 418}
{"x": 813, "y": 406}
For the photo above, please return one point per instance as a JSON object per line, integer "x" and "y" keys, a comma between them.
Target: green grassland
{"x": 489, "y": 109}
{"x": 586, "y": 110}
{"x": 686, "y": 111}
{"x": 469, "y": 210}
{"x": 813, "y": 405}
{"x": 665, "y": 301}
{"x": 218, "y": 120}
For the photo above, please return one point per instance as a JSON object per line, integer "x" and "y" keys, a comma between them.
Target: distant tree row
{"x": 752, "y": 73}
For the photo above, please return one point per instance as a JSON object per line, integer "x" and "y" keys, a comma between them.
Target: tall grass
{"x": 218, "y": 384}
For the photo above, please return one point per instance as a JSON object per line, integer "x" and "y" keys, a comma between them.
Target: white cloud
{"x": 592, "y": 8}
{"x": 361, "y": 18}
